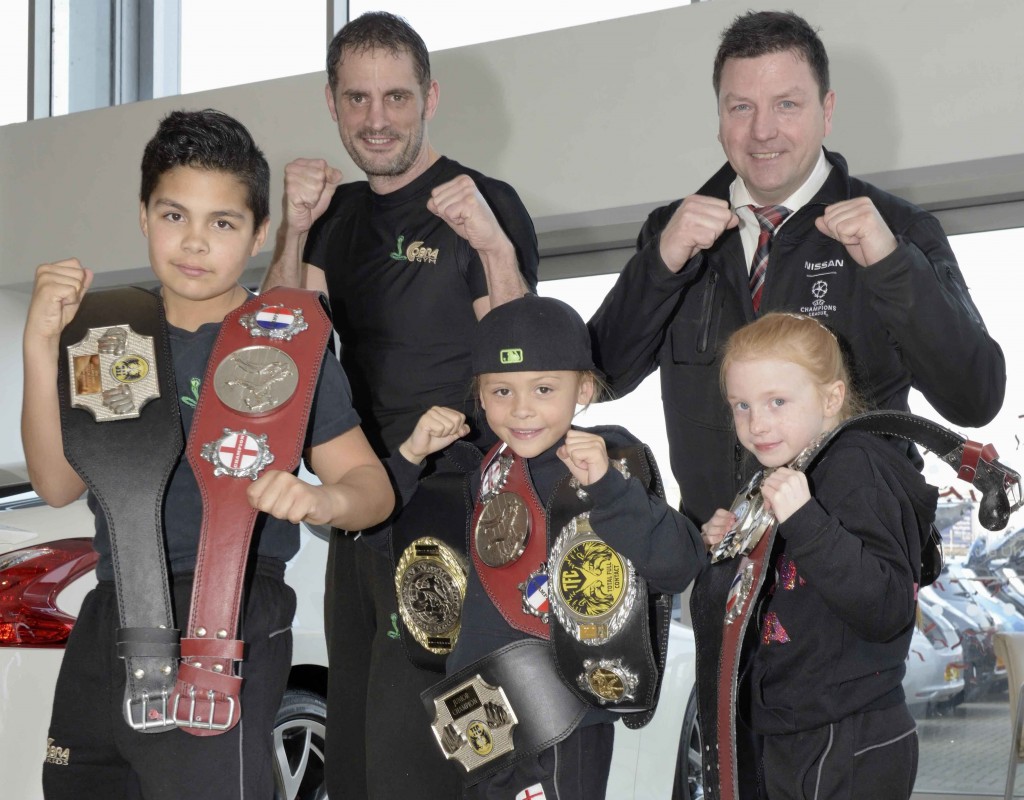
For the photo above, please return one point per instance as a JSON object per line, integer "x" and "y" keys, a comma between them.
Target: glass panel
{"x": 965, "y": 738}
{"x": 241, "y": 41}
{"x": 640, "y": 411}
{"x": 13, "y": 62}
{"x": 461, "y": 22}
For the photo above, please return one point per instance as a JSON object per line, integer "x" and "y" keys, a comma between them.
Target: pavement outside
{"x": 967, "y": 750}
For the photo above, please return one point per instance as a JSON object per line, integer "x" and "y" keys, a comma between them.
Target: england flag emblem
{"x": 239, "y": 454}
{"x": 535, "y": 792}
{"x": 238, "y": 451}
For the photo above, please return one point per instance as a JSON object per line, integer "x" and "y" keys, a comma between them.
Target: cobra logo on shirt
{"x": 416, "y": 251}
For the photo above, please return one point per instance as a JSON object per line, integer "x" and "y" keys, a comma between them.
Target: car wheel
{"x": 299, "y": 746}
{"x": 689, "y": 783}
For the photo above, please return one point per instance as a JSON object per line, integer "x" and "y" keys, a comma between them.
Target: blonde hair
{"x": 799, "y": 339}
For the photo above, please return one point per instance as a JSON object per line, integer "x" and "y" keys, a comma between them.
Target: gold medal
{"x": 430, "y": 582}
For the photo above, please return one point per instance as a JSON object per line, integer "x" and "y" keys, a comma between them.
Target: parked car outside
{"x": 934, "y": 675}
{"x": 980, "y": 669}
{"x": 47, "y": 567}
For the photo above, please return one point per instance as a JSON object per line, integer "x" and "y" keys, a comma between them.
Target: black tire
{"x": 299, "y": 746}
{"x": 689, "y": 783}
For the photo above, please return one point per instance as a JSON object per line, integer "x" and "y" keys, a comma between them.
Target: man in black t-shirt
{"x": 411, "y": 259}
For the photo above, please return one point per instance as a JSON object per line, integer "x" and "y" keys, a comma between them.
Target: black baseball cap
{"x": 532, "y": 334}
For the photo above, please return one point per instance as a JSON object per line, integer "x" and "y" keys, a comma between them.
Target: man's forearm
{"x": 286, "y": 267}
{"x": 504, "y": 280}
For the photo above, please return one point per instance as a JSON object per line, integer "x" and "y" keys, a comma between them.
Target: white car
{"x": 47, "y": 566}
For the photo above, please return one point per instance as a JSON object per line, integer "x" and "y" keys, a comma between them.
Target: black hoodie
{"x": 836, "y": 627}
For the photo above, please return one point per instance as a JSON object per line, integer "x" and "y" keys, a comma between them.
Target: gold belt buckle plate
{"x": 473, "y": 723}
{"x": 430, "y": 582}
{"x": 113, "y": 373}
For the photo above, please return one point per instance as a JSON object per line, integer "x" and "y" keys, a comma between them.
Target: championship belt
{"x": 501, "y": 709}
{"x": 432, "y": 569}
{"x": 508, "y": 542}
{"x": 750, "y": 542}
{"x": 603, "y": 616}
{"x": 252, "y": 411}
{"x": 115, "y": 367}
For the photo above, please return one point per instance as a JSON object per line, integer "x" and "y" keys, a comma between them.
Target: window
{"x": 14, "y": 62}
{"x": 241, "y": 41}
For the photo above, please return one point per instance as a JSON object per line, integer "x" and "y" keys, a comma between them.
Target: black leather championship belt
{"x": 428, "y": 549}
{"x": 252, "y": 412}
{"x": 746, "y": 550}
{"x": 501, "y": 709}
{"x": 122, "y": 435}
{"x": 609, "y": 635}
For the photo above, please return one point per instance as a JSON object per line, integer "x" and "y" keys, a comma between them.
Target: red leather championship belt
{"x": 252, "y": 411}
{"x": 508, "y": 541}
{"x": 750, "y": 542}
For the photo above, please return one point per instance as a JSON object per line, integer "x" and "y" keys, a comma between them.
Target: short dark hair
{"x": 758, "y": 33}
{"x": 379, "y": 30}
{"x": 211, "y": 140}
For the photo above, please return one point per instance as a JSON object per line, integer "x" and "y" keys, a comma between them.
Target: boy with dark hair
{"x": 204, "y": 211}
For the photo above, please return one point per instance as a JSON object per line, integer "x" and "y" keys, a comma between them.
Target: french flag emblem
{"x": 536, "y": 594}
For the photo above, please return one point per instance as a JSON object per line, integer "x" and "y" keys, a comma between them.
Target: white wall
{"x": 593, "y": 125}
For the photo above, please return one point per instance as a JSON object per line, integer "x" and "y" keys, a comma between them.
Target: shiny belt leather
{"x": 611, "y": 654}
{"x": 428, "y": 550}
{"x": 501, "y": 709}
{"x": 252, "y": 411}
{"x": 751, "y": 539}
{"x": 116, "y": 367}
{"x": 508, "y": 538}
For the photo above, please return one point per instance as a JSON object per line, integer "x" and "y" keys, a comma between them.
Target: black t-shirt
{"x": 183, "y": 507}
{"x": 402, "y": 285}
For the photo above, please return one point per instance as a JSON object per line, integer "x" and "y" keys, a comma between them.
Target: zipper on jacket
{"x": 706, "y": 312}
{"x": 963, "y": 297}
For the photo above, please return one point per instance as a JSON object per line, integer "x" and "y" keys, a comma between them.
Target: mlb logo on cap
{"x": 512, "y": 355}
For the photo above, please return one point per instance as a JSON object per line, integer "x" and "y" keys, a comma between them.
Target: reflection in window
{"x": 460, "y": 22}
{"x": 965, "y": 736}
{"x": 241, "y": 41}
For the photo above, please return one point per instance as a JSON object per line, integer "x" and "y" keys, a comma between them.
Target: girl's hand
{"x": 585, "y": 455}
{"x": 785, "y": 491}
{"x": 434, "y": 431}
{"x": 713, "y": 531}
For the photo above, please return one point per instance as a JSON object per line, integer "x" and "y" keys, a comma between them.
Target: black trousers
{"x": 379, "y": 742}
{"x": 871, "y": 754}
{"x": 574, "y": 769}
{"x": 107, "y": 760}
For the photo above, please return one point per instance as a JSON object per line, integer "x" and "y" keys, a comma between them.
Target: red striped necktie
{"x": 770, "y": 218}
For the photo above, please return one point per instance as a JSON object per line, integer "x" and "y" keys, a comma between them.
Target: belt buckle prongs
{"x": 144, "y": 703}
{"x": 212, "y": 700}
